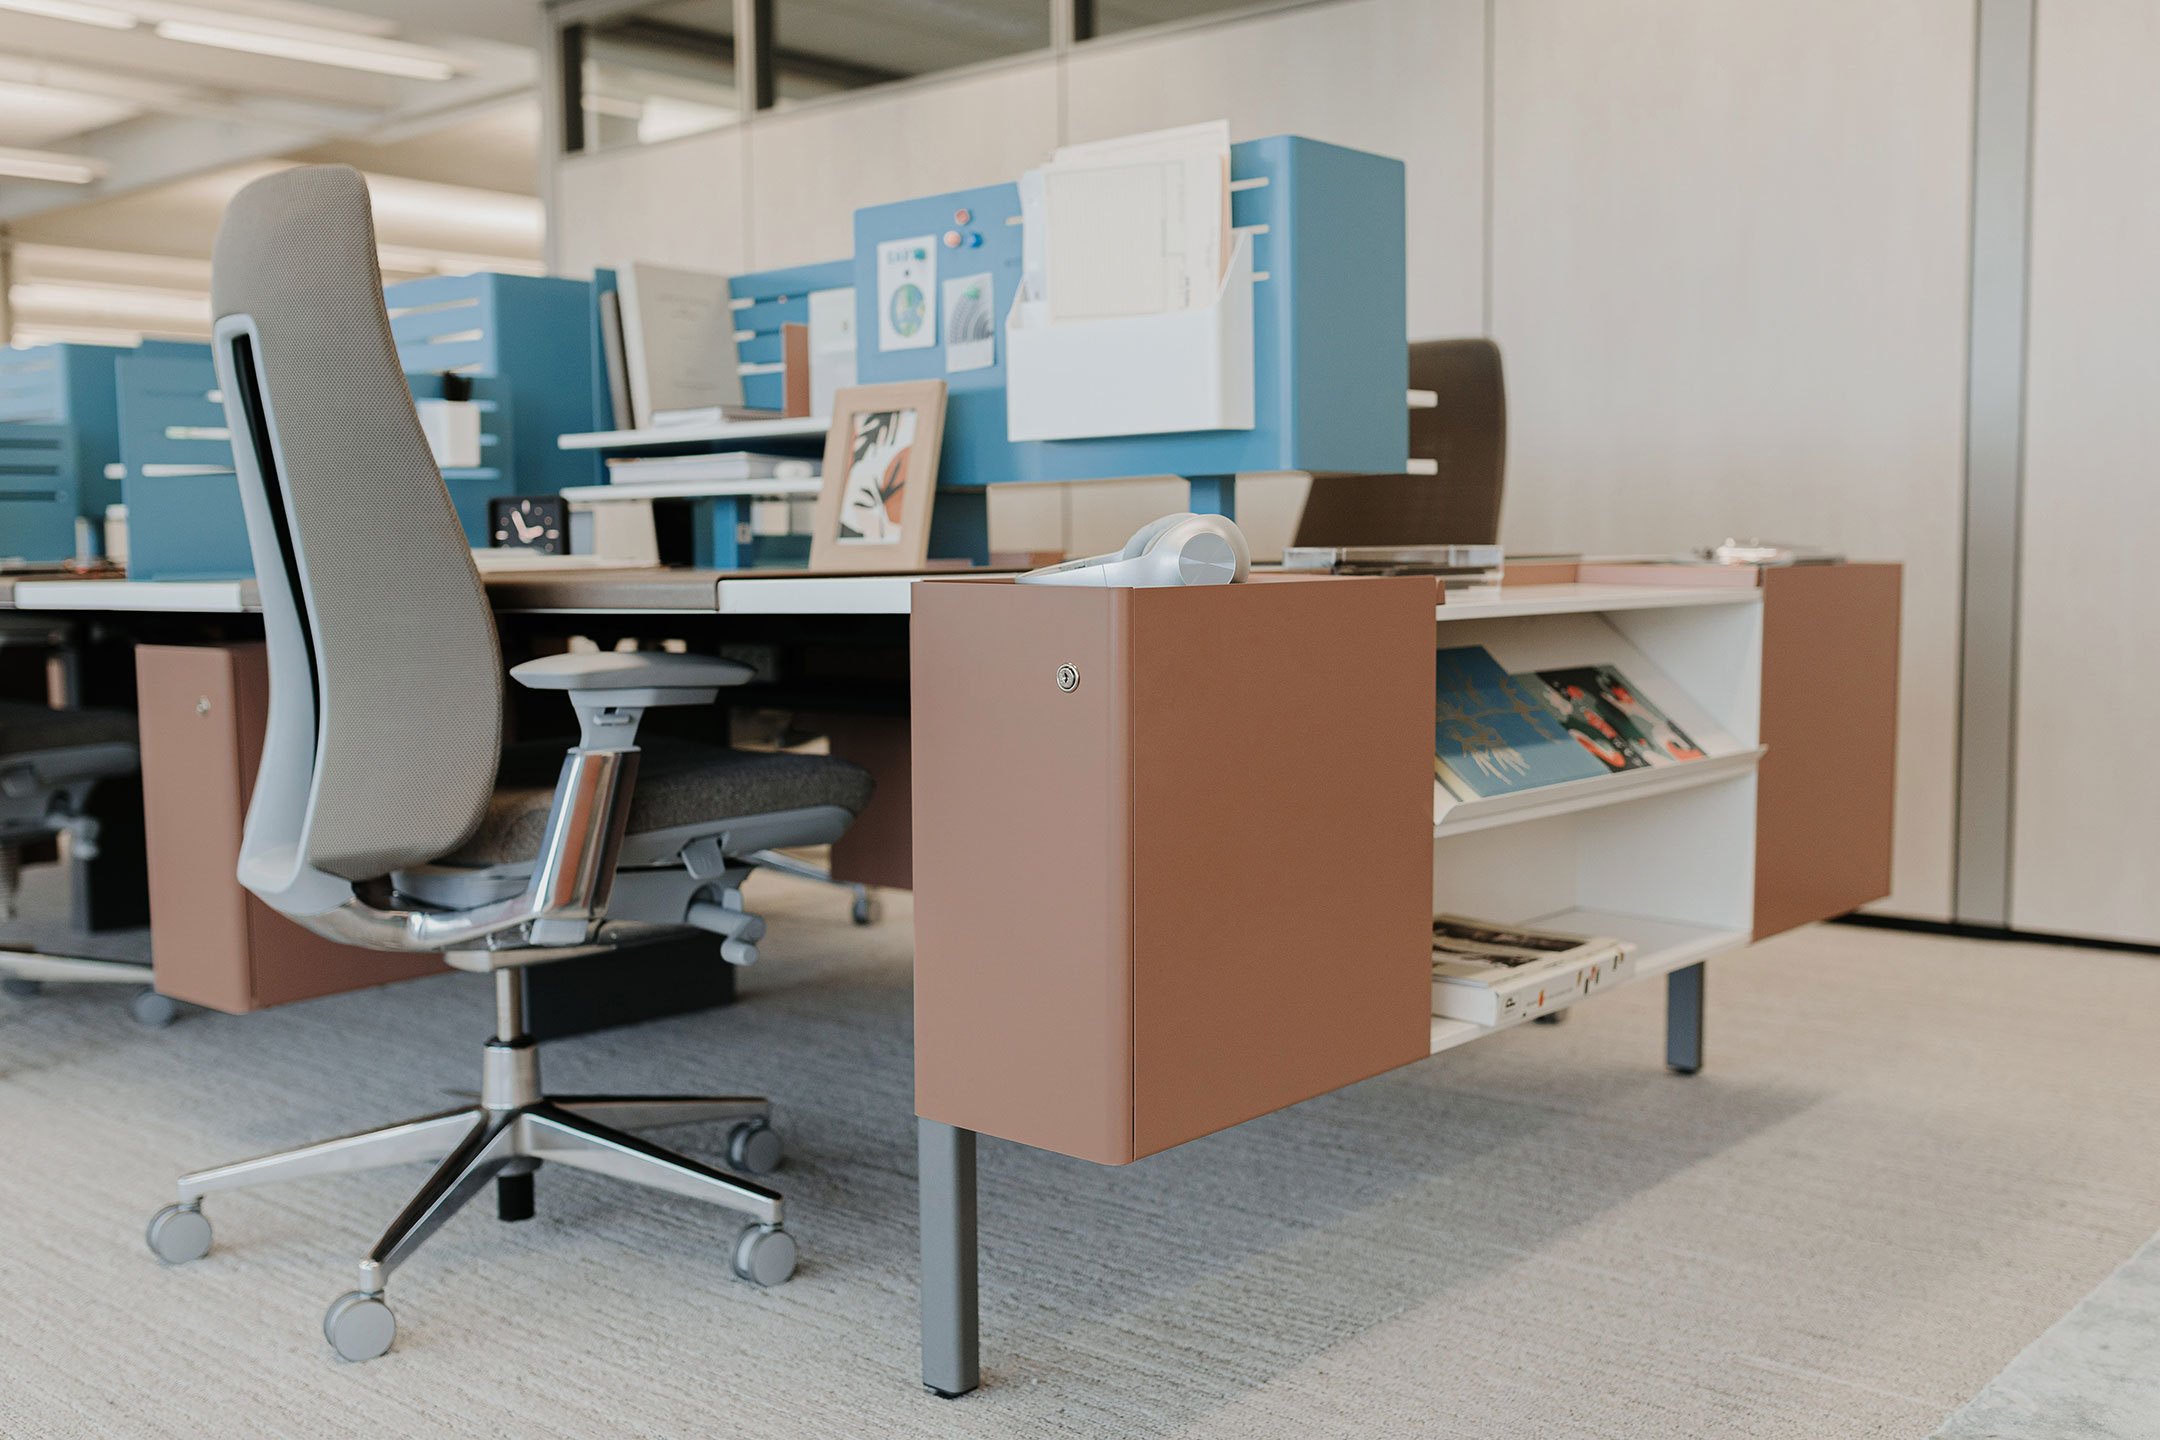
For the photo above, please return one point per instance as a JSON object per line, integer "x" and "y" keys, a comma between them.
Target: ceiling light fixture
{"x": 103, "y": 16}
{"x": 48, "y": 165}
{"x": 409, "y": 63}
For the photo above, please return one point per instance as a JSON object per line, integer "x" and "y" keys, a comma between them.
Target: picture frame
{"x": 880, "y": 478}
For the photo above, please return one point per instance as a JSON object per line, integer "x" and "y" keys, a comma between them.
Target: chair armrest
{"x": 617, "y": 670}
{"x": 612, "y": 690}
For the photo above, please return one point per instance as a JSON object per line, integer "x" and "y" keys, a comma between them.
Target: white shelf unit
{"x": 1664, "y": 857}
{"x": 726, "y": 434}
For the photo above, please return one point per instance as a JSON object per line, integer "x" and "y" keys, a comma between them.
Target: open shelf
{"x": 1661, "y": 946}
{"x": 805, "y": 427}
{"x": 1459, "y": 817}
{"x": 1506, "y": 602}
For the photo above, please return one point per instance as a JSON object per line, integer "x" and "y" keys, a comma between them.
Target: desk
{"x": 656, "y": 591}
{"x": 1798, "y": 666}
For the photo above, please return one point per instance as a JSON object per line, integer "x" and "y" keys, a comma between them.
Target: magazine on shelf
{"x": 1496, "y": 733}
{"x": 1612, "y": 721}
{"x": 1490, "y": 973}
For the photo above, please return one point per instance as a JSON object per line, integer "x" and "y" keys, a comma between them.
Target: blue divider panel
{"x": 180, "y": 526}
{"x": 58, "y": 433}
{"x": 777, "y": 298}
{"x": 526, "y": 344}
{"x": 1330, "y": 344}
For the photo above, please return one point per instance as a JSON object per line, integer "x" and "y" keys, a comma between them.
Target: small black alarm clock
{"x": 530, "y": 522}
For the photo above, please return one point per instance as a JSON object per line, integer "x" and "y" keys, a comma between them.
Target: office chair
{"x": 386, "y": 811}
{"x": 49, "y": 762}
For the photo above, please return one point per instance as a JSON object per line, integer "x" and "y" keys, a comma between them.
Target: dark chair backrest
{"x": 1465, "y": 434}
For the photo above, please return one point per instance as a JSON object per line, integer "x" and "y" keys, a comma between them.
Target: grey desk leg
{"x": 1684, "y": 1019}
{"x": 951, "y": 1358}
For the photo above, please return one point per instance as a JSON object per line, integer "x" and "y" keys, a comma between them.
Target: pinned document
{"x": 906, "y": 281}
{"x": 832, "y": 346}
{"x": 970, "y": 323}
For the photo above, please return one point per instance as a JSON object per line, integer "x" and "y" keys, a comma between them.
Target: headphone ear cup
{"x": 1145, "y": 537}
{"x": 1229, "y": 530}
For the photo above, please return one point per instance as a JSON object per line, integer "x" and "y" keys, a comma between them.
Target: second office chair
{"x": 386, "y": 811}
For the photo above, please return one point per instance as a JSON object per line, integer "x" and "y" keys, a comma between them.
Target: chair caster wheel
{"x": 765, "y": 1255}
{"x": 755, "y": 1148}
{"x": 153, "y": 1011}
{"x": 359, "y": 1327}
{"x": 22, "y": 989}
{"x": 178, "y": 1234}
{"x": 865, "y": 910}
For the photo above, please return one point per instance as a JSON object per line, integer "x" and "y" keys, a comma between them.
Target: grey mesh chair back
{"x": 386, "y": 678}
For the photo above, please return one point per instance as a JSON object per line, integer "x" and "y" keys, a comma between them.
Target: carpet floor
{"x": 1908, "y": 1156}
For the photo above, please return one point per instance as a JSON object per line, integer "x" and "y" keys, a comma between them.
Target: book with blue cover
{"x": 1496, "y": 733}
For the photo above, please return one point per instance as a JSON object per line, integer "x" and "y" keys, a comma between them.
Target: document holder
{"x": 1135, "y": 374}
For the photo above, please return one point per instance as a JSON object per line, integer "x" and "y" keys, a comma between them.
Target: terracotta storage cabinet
{"x": 203, "y": 709}
{"x": 1828, "y": 787}
{"x": 1173, "y": 853}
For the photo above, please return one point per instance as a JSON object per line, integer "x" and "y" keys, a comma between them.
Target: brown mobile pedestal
{"x": 1145, "y": 817}
{"x": 203, "y": 710}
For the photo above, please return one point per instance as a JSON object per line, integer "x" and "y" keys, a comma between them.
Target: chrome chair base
{"x": 512, "y": 1131}
{"x": 25, "y": 973}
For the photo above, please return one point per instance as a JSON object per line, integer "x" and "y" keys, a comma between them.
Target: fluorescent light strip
{"x": 404, "y": 64}
{"x": 48, "y": 165}
{"x": 98, "y": 15}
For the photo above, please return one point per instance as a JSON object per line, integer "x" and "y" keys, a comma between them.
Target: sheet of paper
{"x": 832, "y": 346}
{"x": 906, "y": 282}
{"x": 1134, "y": 226}
{"x": 1034, "y": 236}
{"x": 970, "y": 325}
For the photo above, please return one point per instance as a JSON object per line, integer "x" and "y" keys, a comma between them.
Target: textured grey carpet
{"x": 2095, "y": 1375}
{"x": 1907, "y": 1158}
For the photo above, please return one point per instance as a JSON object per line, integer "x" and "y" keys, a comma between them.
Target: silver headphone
{"x": 1175, "y": 550}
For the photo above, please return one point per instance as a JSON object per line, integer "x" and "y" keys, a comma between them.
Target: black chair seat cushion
{"x": 26, "y": 725}
{"x": 679, "y": 782}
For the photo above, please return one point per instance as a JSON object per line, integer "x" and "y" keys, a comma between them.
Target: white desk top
{"x": 799, "y": 594}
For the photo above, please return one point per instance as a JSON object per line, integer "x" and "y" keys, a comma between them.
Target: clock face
{"x": 529, "y": 522}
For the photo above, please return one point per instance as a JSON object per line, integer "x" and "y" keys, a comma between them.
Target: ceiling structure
{"x": 126, "y": 126}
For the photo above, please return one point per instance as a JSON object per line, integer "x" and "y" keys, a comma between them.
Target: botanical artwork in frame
{"x": 881, "y": 470}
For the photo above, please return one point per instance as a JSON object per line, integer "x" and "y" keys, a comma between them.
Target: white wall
{"x": 1727, "y": 261}
{"x": 2087, "y": 788}
{"x": 1729, "y": 283}
{"x": 674, "y": 204}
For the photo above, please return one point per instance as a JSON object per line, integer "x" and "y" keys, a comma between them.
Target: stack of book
{"x": 1488, "y": 973}
{"x": 1496, "y": 733}
{"x": 726, "y": 465}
